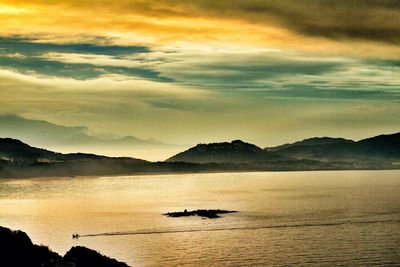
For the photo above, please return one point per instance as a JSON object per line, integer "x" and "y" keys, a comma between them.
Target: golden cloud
{"x": 356, "y": 27}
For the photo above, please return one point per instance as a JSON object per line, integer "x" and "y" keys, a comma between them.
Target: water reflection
{"x": 284, "y": 218}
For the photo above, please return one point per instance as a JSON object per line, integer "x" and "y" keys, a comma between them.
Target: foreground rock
{"x": 83, "y": 256}
{"x": 17, "y": 250}
{"x": 211, "y": 214}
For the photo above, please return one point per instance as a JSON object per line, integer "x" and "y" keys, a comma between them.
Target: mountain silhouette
{"x": 378, "y": 148}
{"x": 17, "y": 151}
{"x": 41, "y": 132}
{"x": 234, "y": 152}
{"x": 18, "y": 159}
{"x": 68, "y": 139}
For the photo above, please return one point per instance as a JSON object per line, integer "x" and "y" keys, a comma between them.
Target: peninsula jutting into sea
{"x": 323, "y": 153}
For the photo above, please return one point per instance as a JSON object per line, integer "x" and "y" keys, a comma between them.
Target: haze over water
{"x": 284, "y": 218}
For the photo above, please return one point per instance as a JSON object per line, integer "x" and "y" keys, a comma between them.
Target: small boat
{"x": 75, "y": 236}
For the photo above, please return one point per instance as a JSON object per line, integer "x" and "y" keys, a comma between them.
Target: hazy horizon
{"x": 59, "y": 138}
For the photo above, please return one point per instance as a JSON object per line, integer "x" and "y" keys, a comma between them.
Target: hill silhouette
{"x": 18, "y": 159}
{"x": 234, "y": 152}
{"x": 378, "y": 148}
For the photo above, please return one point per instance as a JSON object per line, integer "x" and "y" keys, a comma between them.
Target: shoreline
{"x": 186, "y": 173}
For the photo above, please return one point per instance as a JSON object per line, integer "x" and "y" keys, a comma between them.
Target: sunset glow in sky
{"x": 185, "y": 72}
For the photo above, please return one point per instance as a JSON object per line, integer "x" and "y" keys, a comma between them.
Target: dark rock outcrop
{"x": 17, "y": 250}
{"x": 211, "y": 214}
{"x": 83, "y": 257}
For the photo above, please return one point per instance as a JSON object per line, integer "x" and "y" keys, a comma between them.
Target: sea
{"x": 314, "y": 218}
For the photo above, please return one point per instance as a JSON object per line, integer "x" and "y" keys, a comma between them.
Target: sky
{"x": 188, "y": 72}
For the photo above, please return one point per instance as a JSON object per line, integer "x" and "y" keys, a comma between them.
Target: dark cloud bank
{"x": 374, "y": 20}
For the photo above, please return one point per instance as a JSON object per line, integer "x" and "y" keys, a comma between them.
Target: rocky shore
{"x": 17, "y": 250}
{"x": 211, "y": 214}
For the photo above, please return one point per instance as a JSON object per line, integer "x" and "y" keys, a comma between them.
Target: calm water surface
{"x": 336, "y": 218}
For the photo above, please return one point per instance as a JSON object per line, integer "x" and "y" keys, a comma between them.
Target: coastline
{"x": 167, "y": 173}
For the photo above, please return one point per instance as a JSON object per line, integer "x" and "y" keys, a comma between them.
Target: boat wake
{"x": 174, "y": 231}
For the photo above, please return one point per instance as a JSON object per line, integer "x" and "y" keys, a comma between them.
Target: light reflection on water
{"x": 286, "y": 218}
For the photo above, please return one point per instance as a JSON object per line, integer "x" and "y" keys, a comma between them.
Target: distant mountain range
{"x": 378, "y": 148}
{"x": 66, "y": 138}
{"x": 383, "y": 148}
{"x": 44, "y": 132}
{"x": 19, "y": 152}
{"x": 18, "y": 159}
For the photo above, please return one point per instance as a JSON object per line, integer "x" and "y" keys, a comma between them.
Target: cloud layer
{"x": 196, "y": 71}
{"x": 365, "y": 28}
{"x": 366, "y": 19}
{"x": 374, "y": 20}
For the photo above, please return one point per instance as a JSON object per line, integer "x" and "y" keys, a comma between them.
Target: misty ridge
{"x": 18, "y": 159}
{"x": 41, "y": 133}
